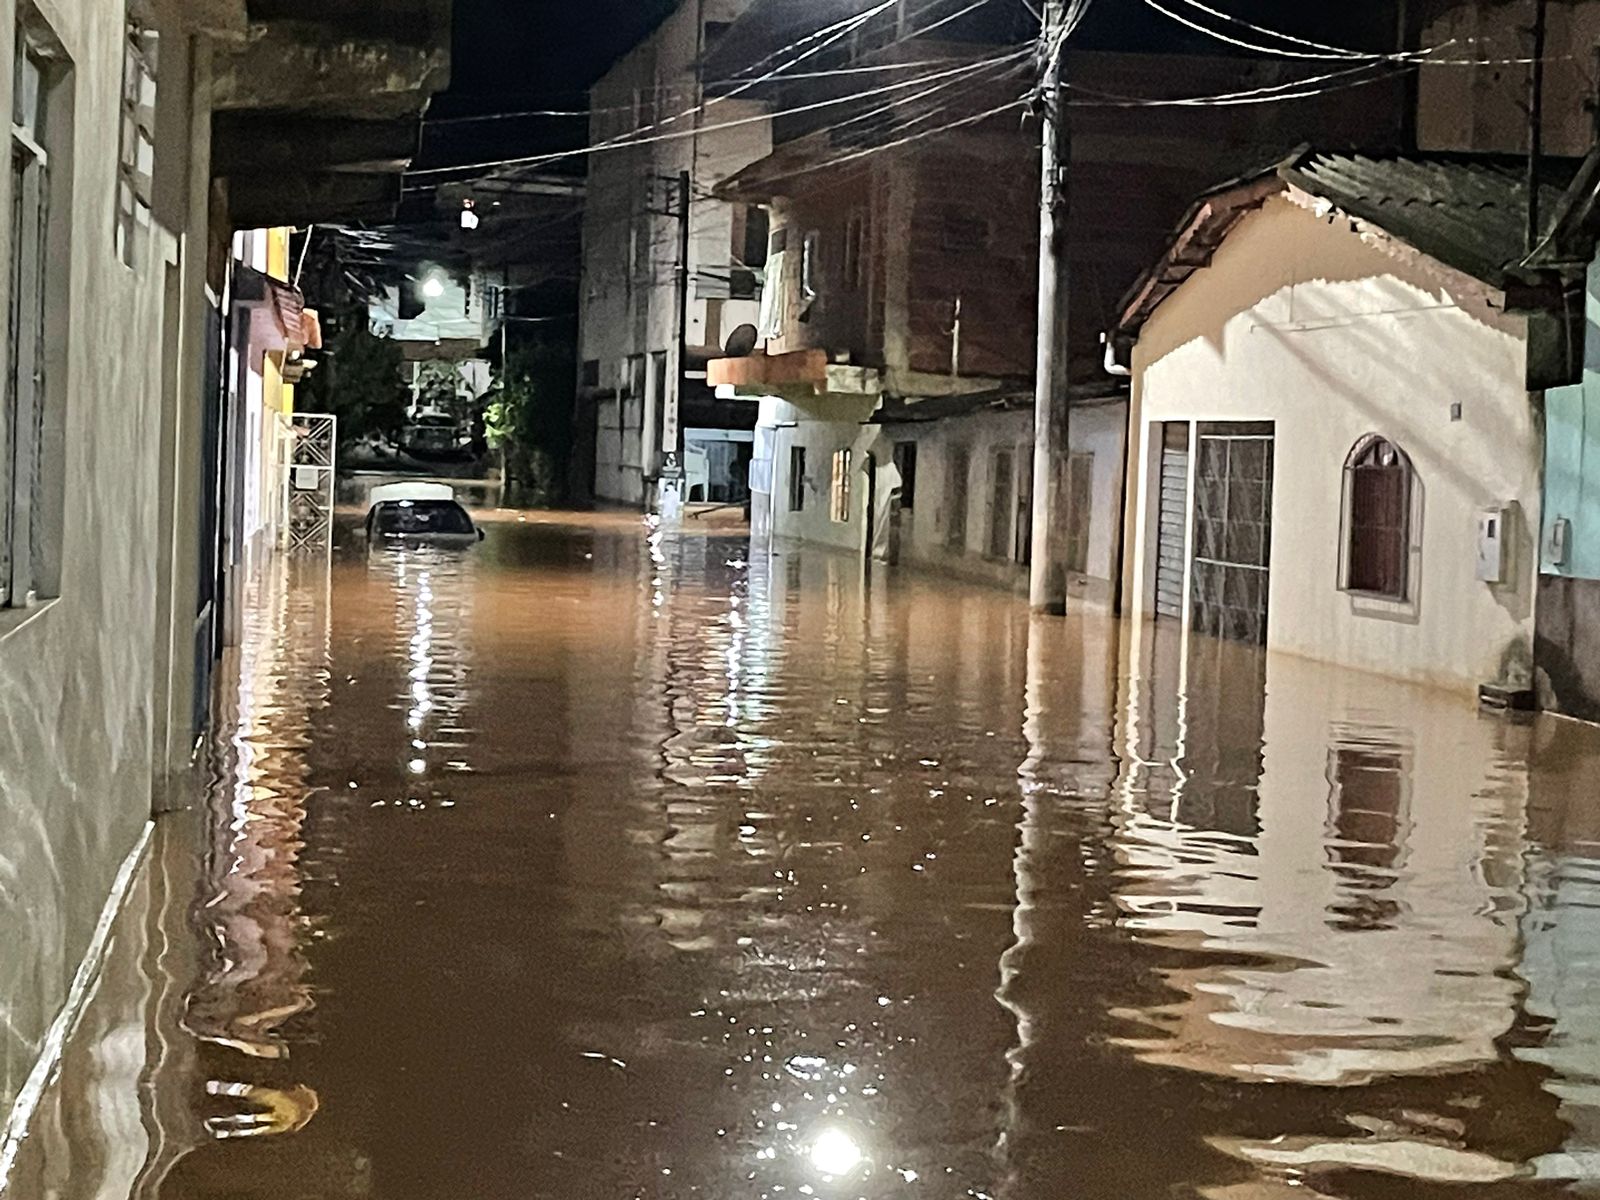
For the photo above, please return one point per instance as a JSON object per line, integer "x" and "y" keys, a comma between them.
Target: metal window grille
{"x": 136, "y": 165}
{"x": 24, "y": 528}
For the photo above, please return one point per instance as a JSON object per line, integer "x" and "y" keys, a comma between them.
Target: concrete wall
{"x": 78, "y": 680}
{"x": 628, "y": 295}
{"x": 922, "y": 538}
{"x": 1485, "y": 108}
{"x": 1332, "y": 335}
{"x": 1096, "y": 430}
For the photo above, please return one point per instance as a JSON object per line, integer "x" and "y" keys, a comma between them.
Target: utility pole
{"x": 671, "y": 433}
{"x": 1047, "y": 583}
{"x": 1535, "y": 120}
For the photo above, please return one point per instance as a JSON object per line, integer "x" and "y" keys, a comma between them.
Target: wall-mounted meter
{"x": 1560, "y": 542}
{"x": 1493, "y": 542}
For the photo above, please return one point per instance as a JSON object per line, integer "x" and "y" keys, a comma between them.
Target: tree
{"x": 529, "y": 419}
{"x": 358, "y": 380}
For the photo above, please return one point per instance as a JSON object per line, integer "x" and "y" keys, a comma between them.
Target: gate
{"x": 1233, "y": 530}
{"x": 309, "y": 488}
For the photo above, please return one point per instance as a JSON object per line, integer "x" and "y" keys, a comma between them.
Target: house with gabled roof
{"x": 1335, "y": 435}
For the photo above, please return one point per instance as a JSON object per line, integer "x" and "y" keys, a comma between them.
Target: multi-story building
{"x": 644, "y": 407}
{"x": 144, "y": 132}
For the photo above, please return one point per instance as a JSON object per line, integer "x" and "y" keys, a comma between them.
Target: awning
{"x": 278, "y": 314}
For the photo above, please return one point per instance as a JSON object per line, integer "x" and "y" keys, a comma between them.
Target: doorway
{"x": 1233, "y": 530}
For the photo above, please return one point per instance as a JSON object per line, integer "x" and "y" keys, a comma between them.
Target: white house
{"x": 1334, "y": 447}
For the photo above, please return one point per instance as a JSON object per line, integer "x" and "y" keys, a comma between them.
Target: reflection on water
{"x": 609, "y": 861}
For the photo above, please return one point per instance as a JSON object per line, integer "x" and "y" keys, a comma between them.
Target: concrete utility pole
{"x": 1047, "y": 584}
{"x": 671, "y": 433}
{"x": 1535, "y": 120}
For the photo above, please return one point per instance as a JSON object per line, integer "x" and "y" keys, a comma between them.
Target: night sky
{"x": 512, "y": 55}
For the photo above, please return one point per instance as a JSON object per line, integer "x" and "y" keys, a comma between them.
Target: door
{"x": 1233, "y": 530}
{"x": 1173, "y": 528}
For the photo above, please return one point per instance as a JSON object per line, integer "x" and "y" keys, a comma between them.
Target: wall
{"x": 823, "y": 429}
{"x": 1567, "y": 651}
{"x": 1485, "y": 108}
{"x": 1332, "y": 336}
{"x": 1093, "y": 429}
{"x": 76, "y": 674}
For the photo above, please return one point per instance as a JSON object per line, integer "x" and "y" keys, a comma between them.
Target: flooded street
{"x": 592, "y": 863}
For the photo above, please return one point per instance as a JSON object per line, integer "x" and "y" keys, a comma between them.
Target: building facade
{"x": 657, "y": 157}
{"x": 1337, "y": 447}
{"x": 138, "y": 139}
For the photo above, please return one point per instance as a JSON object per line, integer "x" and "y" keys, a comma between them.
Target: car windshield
{"x": 421, "y": 517}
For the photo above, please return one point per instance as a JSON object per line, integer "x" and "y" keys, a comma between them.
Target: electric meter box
{"x": 1494, "y": 541}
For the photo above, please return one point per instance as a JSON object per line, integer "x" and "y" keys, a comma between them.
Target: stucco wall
{"x": 1333, "y": 334}
{"x": 1092, "y": 429}
{"x": 76, "y": 675}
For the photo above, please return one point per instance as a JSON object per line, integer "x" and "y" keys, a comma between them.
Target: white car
{"x": 418, "y": 514}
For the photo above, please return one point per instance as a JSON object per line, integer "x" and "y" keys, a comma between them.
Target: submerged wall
{"x": 78, "y": 669}
{"x": 1333, "y": 335}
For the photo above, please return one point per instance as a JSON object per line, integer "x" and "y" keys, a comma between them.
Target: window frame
{"x": 133, "y": 205}
{"x": 1365, "y": 446}
{"x": 839, "y": 488}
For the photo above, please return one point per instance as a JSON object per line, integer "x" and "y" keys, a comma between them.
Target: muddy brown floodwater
{"x": 594, "y": 864}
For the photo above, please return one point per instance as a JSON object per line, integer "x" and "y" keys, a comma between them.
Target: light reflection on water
{"x": 608, "y": 861}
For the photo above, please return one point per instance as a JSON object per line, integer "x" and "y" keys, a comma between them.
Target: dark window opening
{"x": 1378, "y": 479}
{"x": 591, "y": 373}
{"x": 1004, "y": 484}
{"x": 958, "y": 468}
{"x": 905, "y": 462}
{"x": 797, "y": 478}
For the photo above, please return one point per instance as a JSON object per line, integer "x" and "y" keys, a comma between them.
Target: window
{"x": 855, "y": 252}
{"x": 1003, "y": 480}
{"x": 839, "y": 503}
{"x": 138, "y": 143}
{"x": 31, "y": 426}
{"x": 1377, "y": 515}
{"x": 958, "y": 464}
{"x": 797, "y": 478}
{"x": 965, "y": 233}
{"x": 905, "y": 462}
{"x": 591, "y": 373}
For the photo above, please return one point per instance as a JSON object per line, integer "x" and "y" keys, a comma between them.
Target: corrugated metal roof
{"x": 1469, "y": 213}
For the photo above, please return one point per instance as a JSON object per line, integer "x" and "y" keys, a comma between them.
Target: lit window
{"x": 138, "y": 144}
{"x": 1377, "y": 517}
{"x": 839, "y": 507}
{"x": 810, "y": 267}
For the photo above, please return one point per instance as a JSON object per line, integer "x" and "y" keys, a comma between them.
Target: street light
{"x": 433, "y": 287}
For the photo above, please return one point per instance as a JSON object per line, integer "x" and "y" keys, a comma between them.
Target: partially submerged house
{"x": 1336, "y": 437}
{"x": 896, "y": 346}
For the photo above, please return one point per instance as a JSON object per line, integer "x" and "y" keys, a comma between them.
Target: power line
{"x": 619, "y": 144}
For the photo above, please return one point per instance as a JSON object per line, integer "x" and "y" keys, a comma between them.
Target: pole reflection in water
{"x": 610, "y": 861}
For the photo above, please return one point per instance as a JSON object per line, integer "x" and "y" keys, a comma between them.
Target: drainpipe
{"x": 1110, "y": 363}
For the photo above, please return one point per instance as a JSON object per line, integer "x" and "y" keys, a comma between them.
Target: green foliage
{"x": 529, "y": 418}
{"x": 358, "y": 380}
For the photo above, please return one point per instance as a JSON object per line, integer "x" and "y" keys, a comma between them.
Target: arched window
{"x": 1377, "y": 504}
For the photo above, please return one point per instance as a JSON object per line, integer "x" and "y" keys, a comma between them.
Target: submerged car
{"x": 419, "y": 514}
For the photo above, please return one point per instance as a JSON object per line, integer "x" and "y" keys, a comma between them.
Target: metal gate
{"x": 309, "y": 488}
{"x": 1233, "y": 530}
{"x": 1172, "y": 534}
